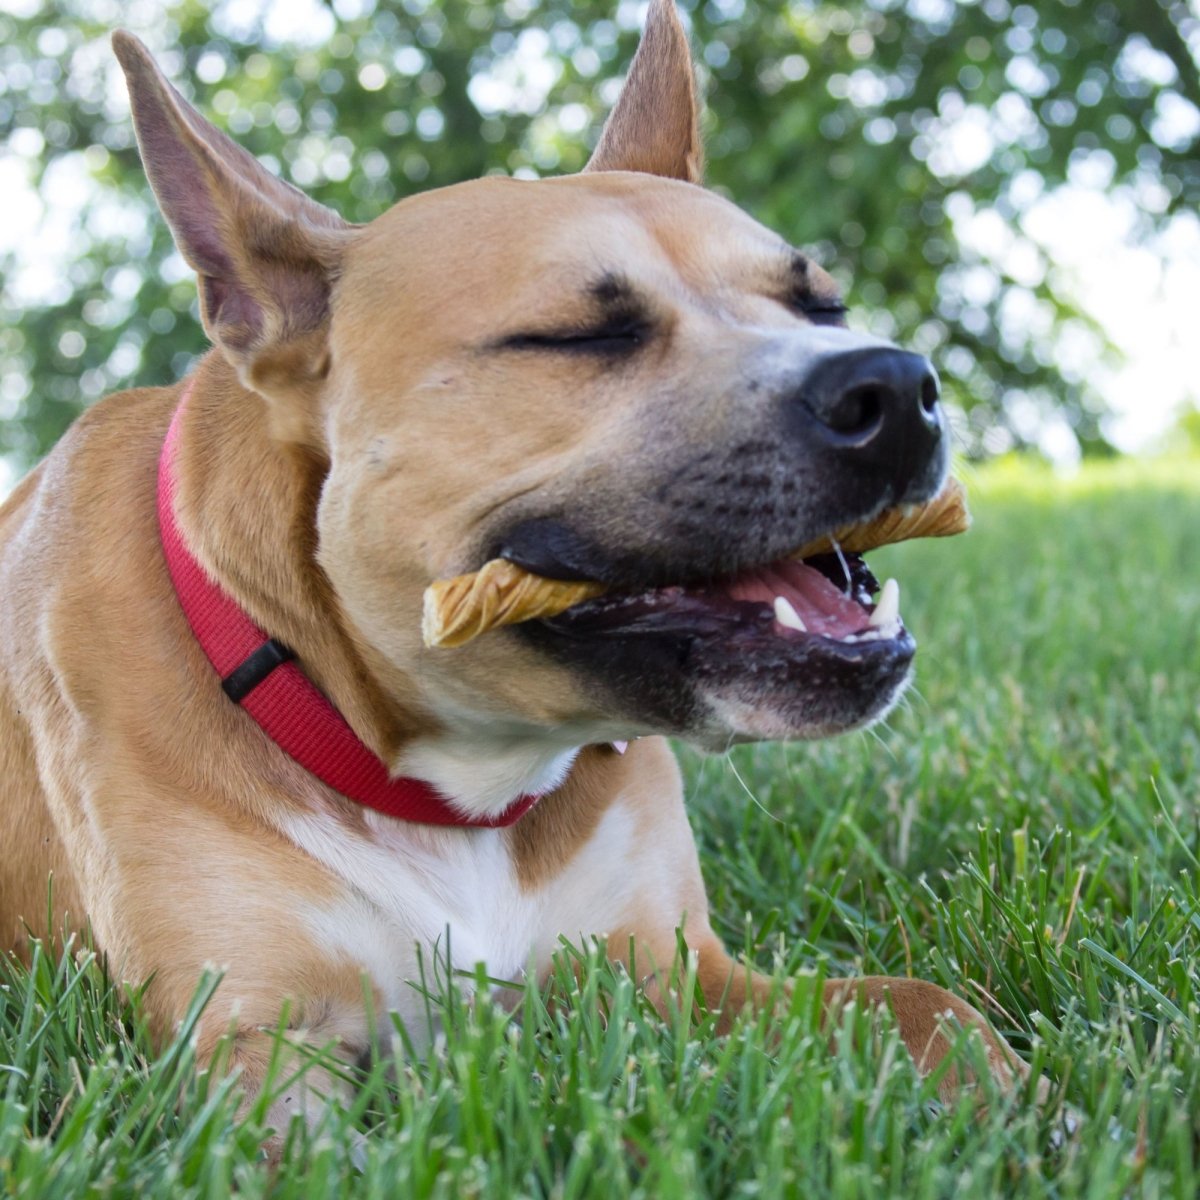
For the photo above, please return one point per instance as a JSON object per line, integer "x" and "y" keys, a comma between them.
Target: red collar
{"x": 259, "y": 673}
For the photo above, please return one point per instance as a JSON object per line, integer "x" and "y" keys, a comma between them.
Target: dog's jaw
{"x": 735, "y": 718}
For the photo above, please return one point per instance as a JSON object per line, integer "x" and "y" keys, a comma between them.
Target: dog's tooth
{"x": 887, "y": 610}
{"x": 787, "y": 615}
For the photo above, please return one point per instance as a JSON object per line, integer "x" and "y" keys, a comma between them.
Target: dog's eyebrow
{"x": 799, "y": 271}
{"x": 798, "y": 263}
{"x": 797, "y": 267}
{"x": 613, "y": 290}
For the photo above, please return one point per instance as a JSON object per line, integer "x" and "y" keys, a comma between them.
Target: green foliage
{"x": 1025, "y": 832}
{"x": 869, "y": 130}
{"x": 1187, "y": 432}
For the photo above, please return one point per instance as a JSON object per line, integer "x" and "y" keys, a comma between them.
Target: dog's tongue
{"x": 823, "y": 608}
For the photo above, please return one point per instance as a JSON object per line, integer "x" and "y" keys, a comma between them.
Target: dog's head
{"x": 616, "y": 376}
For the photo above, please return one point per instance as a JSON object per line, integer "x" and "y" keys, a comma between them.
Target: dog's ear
{"x": 655, "y": 127}
{"x": 266, "y": 255}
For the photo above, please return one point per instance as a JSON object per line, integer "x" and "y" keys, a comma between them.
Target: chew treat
{"x": 945, "y": 515}
{"x": 501, "y": 593}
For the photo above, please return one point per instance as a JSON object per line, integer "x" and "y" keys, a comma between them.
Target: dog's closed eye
{"x": 818, "y": 310}
{"x": 614, "y": 335}
{"x": 620, "y": 321}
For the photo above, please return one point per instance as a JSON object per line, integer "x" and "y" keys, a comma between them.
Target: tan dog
{"x": 617, "y": 376}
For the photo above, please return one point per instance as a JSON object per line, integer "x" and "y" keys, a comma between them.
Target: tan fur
{"x": 330, "y": 467}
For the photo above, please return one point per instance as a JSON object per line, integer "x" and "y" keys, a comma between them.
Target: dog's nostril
{"x": 857, "y": 410}
{"x": 930, "y": 392}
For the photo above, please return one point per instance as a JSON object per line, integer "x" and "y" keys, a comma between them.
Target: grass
{"x": 1024, "y": 831}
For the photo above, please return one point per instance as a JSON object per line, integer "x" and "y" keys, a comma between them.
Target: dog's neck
{"x": 263, "y": 554}
{"x": 272, "y": 574}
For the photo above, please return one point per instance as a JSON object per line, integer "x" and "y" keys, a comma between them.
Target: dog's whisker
{"x": 837, "y": 549}
{"x": 749, "y": 792}
{"x": 891, "y": 753}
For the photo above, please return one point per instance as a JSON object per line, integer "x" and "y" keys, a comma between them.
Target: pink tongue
{"x": 820, "y": 604}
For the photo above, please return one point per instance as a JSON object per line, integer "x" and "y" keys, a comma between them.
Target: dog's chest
{"x": 417, "y": 899}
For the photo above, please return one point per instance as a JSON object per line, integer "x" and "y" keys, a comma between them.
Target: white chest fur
{"x": 415, "y": 895}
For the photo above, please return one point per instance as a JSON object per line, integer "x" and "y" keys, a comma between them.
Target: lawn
{"x": 1025, "y": 831}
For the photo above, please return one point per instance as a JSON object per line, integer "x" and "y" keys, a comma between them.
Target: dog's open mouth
{"x": 824, "y": 599}
{"x": 795, "y": 648}
{"x": 804, "y": 645}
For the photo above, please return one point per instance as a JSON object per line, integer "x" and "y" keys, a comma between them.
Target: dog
{"x": 221, "y": 736}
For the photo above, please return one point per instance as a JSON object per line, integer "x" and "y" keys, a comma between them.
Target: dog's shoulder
{"x": 94, "y": 491}
{"x": 100, "y": 457}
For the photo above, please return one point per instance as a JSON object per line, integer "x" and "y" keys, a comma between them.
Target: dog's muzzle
{"x": 706, "y": 610}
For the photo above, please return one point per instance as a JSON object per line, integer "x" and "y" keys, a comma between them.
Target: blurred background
{"x": 1009, "y": 188}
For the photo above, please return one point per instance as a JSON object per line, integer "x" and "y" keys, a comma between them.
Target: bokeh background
{"x": 1010, "y": 188}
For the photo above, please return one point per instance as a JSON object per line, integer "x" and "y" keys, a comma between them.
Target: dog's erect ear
{"x": 265, "y": 253}
{"x": 655, "y": 125}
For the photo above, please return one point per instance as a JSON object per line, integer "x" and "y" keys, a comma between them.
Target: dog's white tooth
{"x": 787, "y": 616}
{"x": 887, "y": 610}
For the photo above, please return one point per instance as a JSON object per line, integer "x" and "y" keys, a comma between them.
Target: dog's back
{"x": 63, "y": 602}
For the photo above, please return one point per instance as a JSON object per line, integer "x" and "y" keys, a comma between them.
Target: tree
{"x": 873, "y": 131}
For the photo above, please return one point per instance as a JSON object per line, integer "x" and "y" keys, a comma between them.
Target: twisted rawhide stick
{"x": 945, "y": 515}
{"x": 501, "y": 593}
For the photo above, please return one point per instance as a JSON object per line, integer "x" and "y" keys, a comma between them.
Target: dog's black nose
{"x": 861, "y": 395}
{"x": 878, "y": 404}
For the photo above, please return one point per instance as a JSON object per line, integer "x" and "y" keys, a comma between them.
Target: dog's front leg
{"x": 660, "y": 874}
{"x": 192, "y": 888}
{"x": 282, "y": 1077}
{"x": 929, "y": 1019}
{"x": 291, "y": 1055}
